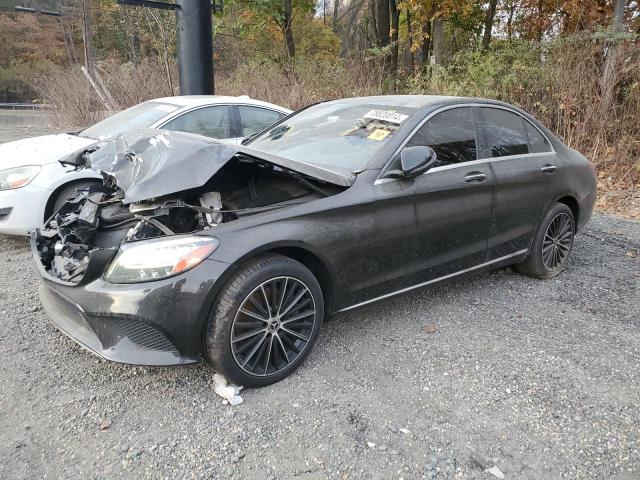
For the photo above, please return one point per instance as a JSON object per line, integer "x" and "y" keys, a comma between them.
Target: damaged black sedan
{"x": 192, "y": 249}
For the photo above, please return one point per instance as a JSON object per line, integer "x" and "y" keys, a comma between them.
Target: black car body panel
{"x": 365, "y": 234}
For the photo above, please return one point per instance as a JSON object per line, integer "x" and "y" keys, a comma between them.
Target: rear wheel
{"x": 551, "y": 245}
{"x": 265, "y": 321}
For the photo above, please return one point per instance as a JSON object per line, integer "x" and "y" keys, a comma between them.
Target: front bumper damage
{"x": 155, "y": 323}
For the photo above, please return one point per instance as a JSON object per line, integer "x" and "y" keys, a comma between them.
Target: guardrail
{"x": 23, "y": 106}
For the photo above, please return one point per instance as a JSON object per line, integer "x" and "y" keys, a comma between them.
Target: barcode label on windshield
{"x": 386, "y": 116}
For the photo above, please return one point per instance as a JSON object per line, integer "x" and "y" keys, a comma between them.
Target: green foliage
{"x": 508, "y": 71}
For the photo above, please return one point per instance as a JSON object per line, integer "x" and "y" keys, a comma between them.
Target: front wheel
{"x": 265, "y": 321}
{"x": 551, "y": 244}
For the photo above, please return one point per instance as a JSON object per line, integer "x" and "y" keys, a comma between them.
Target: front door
{"x": 453, "y": 199}
{"x": 439, "y": 221}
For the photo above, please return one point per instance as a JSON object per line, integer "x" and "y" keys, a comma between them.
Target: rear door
{"x": 524, "y": 165}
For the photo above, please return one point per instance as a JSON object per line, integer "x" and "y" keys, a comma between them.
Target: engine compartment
{"x": 98, "y": 217}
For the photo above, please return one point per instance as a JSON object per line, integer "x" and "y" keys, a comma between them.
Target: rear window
{"x": 537, "y": 142}
{"x": 505, "y": 133}
{"x": 255, "y": 119}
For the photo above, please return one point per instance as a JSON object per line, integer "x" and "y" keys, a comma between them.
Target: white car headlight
{"x": 17, "y": 177}
{"x": 158, "y": 259}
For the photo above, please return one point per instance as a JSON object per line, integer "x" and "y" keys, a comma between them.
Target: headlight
{"x": 17, "y": 177}
{"x": 159, "y": 259}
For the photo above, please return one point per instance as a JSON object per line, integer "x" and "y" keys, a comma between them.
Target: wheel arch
{"x": 309, "y": 258}
{"x": 48, "y": 208}
{"x": 571, "y": 202}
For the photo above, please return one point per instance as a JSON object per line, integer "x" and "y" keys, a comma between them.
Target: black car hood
{"x": 152, "y": 163}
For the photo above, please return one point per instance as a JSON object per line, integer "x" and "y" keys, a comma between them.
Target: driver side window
{"x": 211, "y": 122}
{"x": 452, "y": 134}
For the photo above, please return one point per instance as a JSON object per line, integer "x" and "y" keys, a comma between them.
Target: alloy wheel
{"x": 557, "y": 241}
{"x": 273, "y": 326}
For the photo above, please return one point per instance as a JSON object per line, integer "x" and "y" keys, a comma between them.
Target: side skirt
{"x": 507, "y": 259}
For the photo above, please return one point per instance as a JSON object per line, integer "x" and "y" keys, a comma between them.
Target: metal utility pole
{"x": 194, "y": 35}
{"x": 195, "y": 47}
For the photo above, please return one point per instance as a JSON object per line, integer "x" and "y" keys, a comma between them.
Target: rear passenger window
{"x": 537, "y": 142}
{"x": 505, "y": 133}
{"x": 452, "y": 134}
{"x": 255, "y": 119}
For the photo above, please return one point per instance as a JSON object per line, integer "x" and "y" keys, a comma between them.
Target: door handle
{"x": 475, "y": 177}
{"x": 548, "y": 168}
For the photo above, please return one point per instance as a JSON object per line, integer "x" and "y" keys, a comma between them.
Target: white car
{"x": 33, "y": 182}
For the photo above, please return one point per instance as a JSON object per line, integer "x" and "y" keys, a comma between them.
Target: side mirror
{"x": 415, "y": 161}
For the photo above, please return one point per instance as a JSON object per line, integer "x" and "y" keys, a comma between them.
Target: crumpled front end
{"x": 126, "y": 264}
{"x": 162, "y": 184}
{"x": 153, "y": 323}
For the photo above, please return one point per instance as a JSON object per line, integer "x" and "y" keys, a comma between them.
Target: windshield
{"x": 336, "y": 134}
{"x": 142, "y": 115}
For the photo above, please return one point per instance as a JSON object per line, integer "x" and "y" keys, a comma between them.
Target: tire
{"x": 68, "y": 191}
{"x": 248, "y": 336}
{"x": 551, "y": 244}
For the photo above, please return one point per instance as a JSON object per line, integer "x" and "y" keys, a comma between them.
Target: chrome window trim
{"x": 381, "y": 179}
{"x": 435, "y": 280}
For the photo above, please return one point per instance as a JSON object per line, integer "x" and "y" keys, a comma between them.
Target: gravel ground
{"x": 539, "y": 378}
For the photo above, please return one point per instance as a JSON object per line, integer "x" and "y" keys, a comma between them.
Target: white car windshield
{"x": 139, "y": 116}
{"x": 336, "y": 134}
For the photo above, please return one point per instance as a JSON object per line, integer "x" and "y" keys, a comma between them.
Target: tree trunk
{"x": 87, "y": 36}
{"x": 68, "y": 42}
{"x": 382, "y": 22}
{"x": 426, "y": 43}
{"x": 334, "y": 21}
{"x": 347, "y": 36}
{"x": 395, "y": 21}
{"x": 539, "y": 21}
{"x": 488, "y": 23}
{"x": 382, "y": 31}
{"x": 608, "y": 80}
{"x": 286, "y": 29}
{"x": 512, "y": 9}
{"x": 438, "y": 40}
{"x": 412, "y": 59}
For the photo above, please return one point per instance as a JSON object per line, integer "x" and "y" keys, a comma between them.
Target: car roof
{"x": 416, "y": 101}
{"x": 197, "y": 100}
{"x": 413, "y": 101}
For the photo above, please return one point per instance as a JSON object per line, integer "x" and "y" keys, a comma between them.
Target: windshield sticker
{"x": 379, "y": 134}
{"x": 385, "y": 116}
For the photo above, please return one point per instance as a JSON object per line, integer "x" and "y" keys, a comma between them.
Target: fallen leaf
{"x": 105, "y": 424}
{"x": 430, "y": 328}
{"x": 632, "y": 254}
{"x": 496, "y": 472}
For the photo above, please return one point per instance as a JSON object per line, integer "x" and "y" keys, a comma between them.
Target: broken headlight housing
{"x": 148, "y": 261}
{"x": 17, "y": 177}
